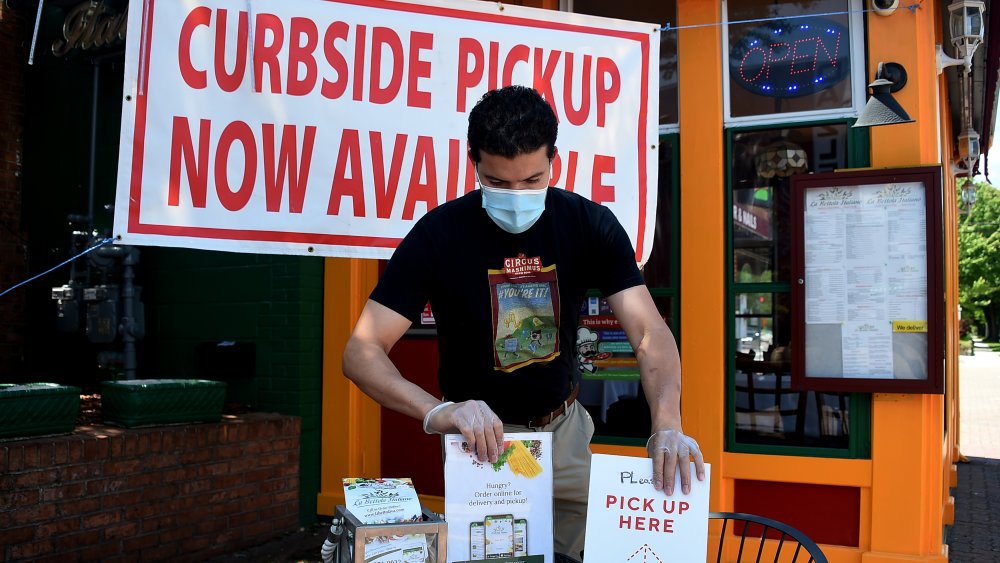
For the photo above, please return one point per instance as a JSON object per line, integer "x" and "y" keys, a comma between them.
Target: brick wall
{"x": 171, "y": 493}
{"x": 12, "y": 256}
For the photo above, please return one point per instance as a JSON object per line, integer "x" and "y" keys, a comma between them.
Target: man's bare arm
{"x": 660, "y": 374}
{"x": 367, "y": 364}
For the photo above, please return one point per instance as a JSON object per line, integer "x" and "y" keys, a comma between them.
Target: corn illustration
{"x": 521, "y": 462}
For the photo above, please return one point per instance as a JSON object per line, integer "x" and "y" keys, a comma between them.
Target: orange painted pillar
{"x": 907, "y": 430}
{"x": 951, "y": 398}
{"x": 351, "y": 431}
{"x": 703, "y": 245}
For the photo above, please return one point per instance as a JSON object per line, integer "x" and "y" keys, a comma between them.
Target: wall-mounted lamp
{"x": 965, "y": 19}
{"x": 968, "y": 146}
{"x": 968, "y": 197}
{"x": 968, "y": 153}
{"x": 882, "y": 108}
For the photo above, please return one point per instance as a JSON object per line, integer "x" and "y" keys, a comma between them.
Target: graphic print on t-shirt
{"x": 525, "y": 298}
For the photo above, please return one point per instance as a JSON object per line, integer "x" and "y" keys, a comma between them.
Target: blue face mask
{"x": 514, "y": 211}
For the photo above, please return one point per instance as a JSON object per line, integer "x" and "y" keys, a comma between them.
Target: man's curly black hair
{"x": 510, "y": 121}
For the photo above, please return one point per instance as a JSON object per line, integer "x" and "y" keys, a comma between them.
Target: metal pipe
{"x": 92, "y": 181}
{"x": 128, "y": 312}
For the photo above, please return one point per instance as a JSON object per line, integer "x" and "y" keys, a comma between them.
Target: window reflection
{"x": 763, "y": 163}
{"x": 767, "y": 409}
{"x": 658, "y": 271}
{"x": 768, "y": 412}
{"x": 610, "y": 388}
{"x": 660, "y": 11}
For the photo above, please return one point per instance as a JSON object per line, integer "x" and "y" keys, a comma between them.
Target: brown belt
{"x": 559, "y": 410}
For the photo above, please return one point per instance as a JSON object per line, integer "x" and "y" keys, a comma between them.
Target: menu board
{"x": 867, "y": 262}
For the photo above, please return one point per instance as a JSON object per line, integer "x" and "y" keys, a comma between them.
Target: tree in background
{"x": 979, "y": 260}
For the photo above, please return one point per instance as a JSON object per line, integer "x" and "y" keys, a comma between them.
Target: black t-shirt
{"x": 507, "y": 305}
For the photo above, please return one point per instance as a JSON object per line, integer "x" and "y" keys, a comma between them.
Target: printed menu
{"x": 866, "y": 272}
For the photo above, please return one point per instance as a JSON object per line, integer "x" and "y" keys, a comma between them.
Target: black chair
{"x": 793, "y": 542}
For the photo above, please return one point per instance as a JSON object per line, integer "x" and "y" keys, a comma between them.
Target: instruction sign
{"x": 628, "y": 520}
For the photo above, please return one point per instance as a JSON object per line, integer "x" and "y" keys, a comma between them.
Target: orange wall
{"x": 703, "y": 265}
{"x": 907, "y": 430}
{"x": 350, "y": 427}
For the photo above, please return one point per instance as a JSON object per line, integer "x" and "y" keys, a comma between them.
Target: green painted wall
{"x": 191, "y": 297}
{"x": 273, "y": 302}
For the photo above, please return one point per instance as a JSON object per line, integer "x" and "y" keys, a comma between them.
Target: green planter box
{"x": 147, "y": 402}
{"x": 37, "y": 409}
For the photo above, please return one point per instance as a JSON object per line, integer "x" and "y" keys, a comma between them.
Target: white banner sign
{"x": 328, "y": 127}
{"x": 629, "y": 520}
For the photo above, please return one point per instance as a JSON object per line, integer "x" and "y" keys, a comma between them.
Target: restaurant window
{"x": 798, "y": 59}
{"x": 653, "y": 11}
{"x": 763, "y": 410}
{"x": 610, "y": 388}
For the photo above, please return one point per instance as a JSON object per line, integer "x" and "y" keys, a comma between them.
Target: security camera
{"x": 884, "y": 7}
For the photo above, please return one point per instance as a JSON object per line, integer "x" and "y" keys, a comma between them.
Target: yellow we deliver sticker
{"x": 909, "y": 326}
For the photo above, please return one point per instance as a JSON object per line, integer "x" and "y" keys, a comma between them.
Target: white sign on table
{"x": 385, "y": 501}
{"x": 501, "y": 512}
{"x": 628, "y": 520}
{"x": 382, "y": 500}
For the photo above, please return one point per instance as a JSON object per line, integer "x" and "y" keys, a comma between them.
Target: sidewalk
{"x": 302, "y": 546}
{"x": 975, "y": 537}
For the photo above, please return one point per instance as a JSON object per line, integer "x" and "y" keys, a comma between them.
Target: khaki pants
{"x": 571, "y": 434}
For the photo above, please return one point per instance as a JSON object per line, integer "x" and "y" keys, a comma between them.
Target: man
{"x": 506, "y": 268}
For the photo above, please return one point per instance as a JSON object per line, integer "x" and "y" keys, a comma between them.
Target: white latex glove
{"x": 667, "y": 448}
{"x": 477, "y": 422}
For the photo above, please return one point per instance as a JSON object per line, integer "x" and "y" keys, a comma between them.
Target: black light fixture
{"x": 882, "y": 108}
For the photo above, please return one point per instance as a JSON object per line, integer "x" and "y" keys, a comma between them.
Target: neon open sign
{"x": 791, "y": 58}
